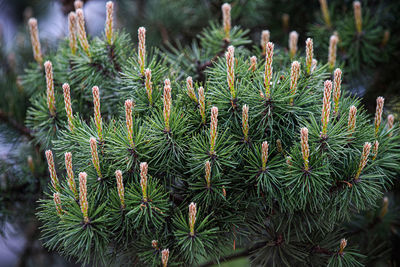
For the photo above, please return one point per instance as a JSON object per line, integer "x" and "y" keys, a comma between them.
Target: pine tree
{"x": 265, "y": 153}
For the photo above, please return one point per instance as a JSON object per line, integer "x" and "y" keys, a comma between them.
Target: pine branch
{"x": 254, "y": 148}
{"x": 201, "y": 67}
{"x": 319, "y": 250}
{"x": 112, "y": 57}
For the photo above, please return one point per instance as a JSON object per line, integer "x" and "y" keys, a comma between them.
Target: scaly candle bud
{"x": 269, "y": 53}
{"x": 285, "y": 21}
{"x": 68, "y": 105}
{"x": 289, "y": 161}
{"x": 332, "y": 51}
{"x": 72, "y": 32}
{"x": 142, "y": 49}
{"x": 390, "y": 123}
{"x": 31, "y": 164}
{"x": 83, "y": 196}
{"x": 192, "y": 217}
{"x": 230, "y": 69}
{"x": 33, "y": 29}
{"x": 213, "y": 128}
{"x": 336, "y": 33}
{"x": 78, "y": 4}
{"x": 293, "y": 38}
{"x": 149, "y": 86}
{"x": 164, "y": 257}
{"x": 314, "y": 65}
{"x": 325, "y": 13}
{"x": 51, "y": 101}
{"x": 154, "y": 244}
{"x": 167, "y": 103}
{"x": 351, "y": 125}
{"x": 264, "y": 40}
{"x": 129, "y": 121}
{"x": 378, "y": 113}
{"x": 253, "y": 63}
{"x": 245, "y": 122}
{"x": 57, "y": 203}
{"x": 109, "y": 21}
{"x": 264, "y": 155}
{"x": 343, "y": 244}
{"x": 190, "y": 89}
{"x": 97, "y": 112}
{"x": 202, "y": 105}
{"x": 326, "y": 107}
{"x": 385, "y": 207}
{"x": 385, "y": 39}
{"x": 363, "y": 160}
{"x": 279, "y": 145}
{"x": 52, "y": 170}
{"x": 305, "y": 150}
{"x": 375, "y": 150}
{"x": 357, "y": 16}
{"x": 120, "y": 187}
{"x": 82, "y": 31}
{"x": 208, "y": 173}
{"x": 309, "y": 54}
{"x": 336, "y": 89}
{"x": 294, "y": 76}
{"x": 70, "y": 174}
{"x": 226, "y": 19}
{"x": 95, "y": 156}
{"x": 143, "y": 179}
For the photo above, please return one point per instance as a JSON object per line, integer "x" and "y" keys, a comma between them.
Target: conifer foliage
{"x": 149, "y": 166}
{"x": 358, "y": 34}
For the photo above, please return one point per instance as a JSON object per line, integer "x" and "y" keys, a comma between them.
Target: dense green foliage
{"x": 268, "y": 201}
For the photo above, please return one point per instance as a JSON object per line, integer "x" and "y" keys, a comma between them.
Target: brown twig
{"x": 202, "y": 67}
{"x": 318, "y": 250}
